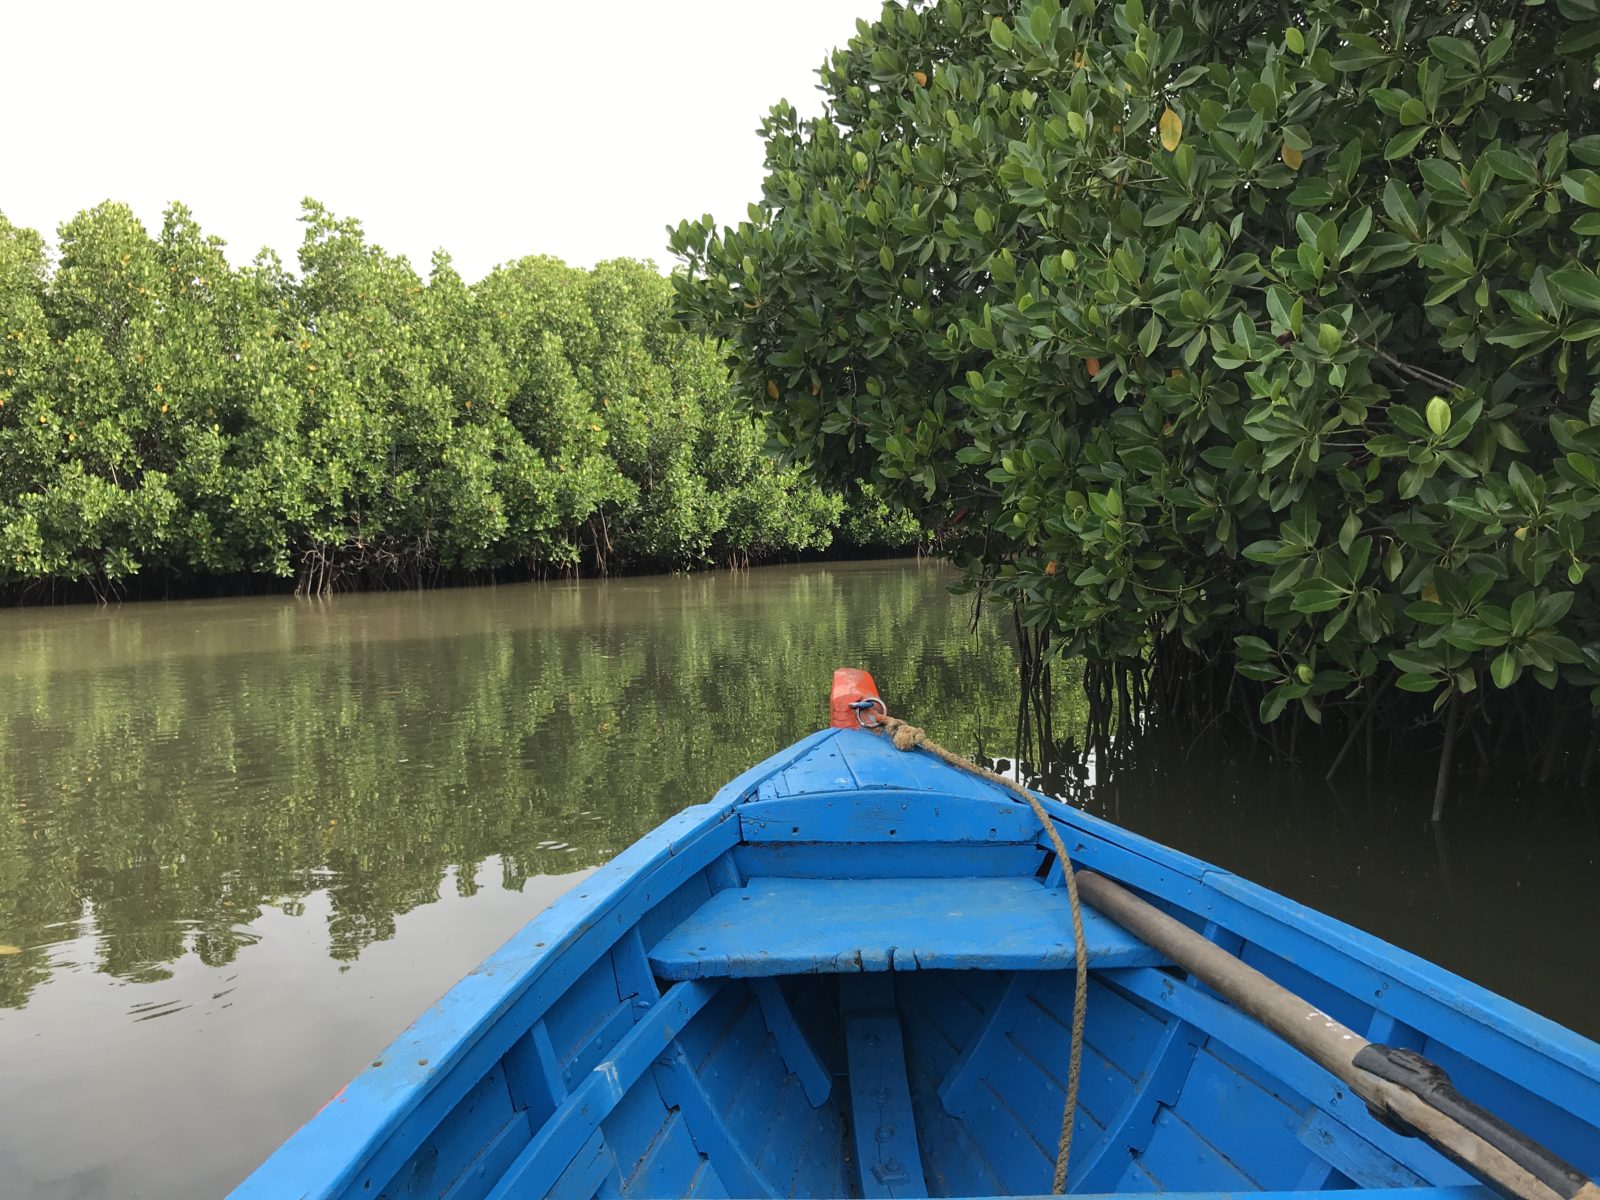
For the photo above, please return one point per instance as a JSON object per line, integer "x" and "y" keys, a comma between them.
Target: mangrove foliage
{"x": 1248, "y": 350}
{"x": 166, "y": 415}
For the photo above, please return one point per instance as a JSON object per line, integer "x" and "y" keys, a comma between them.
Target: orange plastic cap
{"x": 850, "y": 686}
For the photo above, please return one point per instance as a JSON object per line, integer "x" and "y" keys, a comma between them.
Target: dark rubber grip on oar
{"x": 1429, "y": 1082}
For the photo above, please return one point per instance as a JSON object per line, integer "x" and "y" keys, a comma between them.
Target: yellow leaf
{"x": 1430, "y": 593}
{"x": 920, "y": 77}
{"x": 772, "y": 389}
{"x": 5, "y": 949}
{"x": 1171, "y": 126}
{"x": 1292, "y": 158}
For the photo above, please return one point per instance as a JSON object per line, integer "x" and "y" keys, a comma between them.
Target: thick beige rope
{"x": 909, "y": 737}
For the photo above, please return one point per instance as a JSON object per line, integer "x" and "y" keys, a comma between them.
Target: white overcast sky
{"x": 490, "y": 130}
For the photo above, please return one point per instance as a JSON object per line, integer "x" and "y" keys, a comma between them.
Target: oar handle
{"x": 1430, "y": 1083}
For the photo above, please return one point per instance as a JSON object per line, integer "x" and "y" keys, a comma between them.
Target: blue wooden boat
{"x": 851, "y": 974}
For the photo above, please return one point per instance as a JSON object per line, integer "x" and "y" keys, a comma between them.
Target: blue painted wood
{"x": 459, "y": 1142}
{"x": 491, "y": 1162}
{"x": 682, "y": 1088}
{"x": 961, "y": 1083}
{"x": 586, "y": 1173}
{"x": 559, "y": 1068}
{"x": 533, "y": 1074}
{"x": 880, "y": 1104}
{"x": 847, "y": 817}
{"x": 793, "y": 1044}
{"x": 885, "y": 860}
{"x": 552, "y": 1149}
{"x": 1433, "y": 1193}
{"x": 1251, "y": 1045}
{"x": 1357, "y": 1159}
{"x": 1129, "y": 1126}
{"x": 799, "y": 926}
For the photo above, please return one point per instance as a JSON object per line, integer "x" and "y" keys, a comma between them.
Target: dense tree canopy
{"x": 1215, "y": 333}
{"x": 164, "y": 412}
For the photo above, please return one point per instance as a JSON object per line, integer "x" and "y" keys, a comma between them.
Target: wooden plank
{"x": 1462, "y": 1192}
{"x": 586, "y": 1172}
{"x": 803, "y": 926}
{"x": 885, "y": 860}
{"x": 890, "y": 817}
{"x": 576, "y": 1121}
{"x": 599, "y": 1042}
{"x": 491, "y": 1162}
{"x": 960, "y": 1084}
{"x": 670, "y": 1163}
{"x": 880, "y": 1102}
{"x": 1176, "y": 1152}
{"x": 1129, "y": 1129}
{"x": 874, "y": 763}
{"x": 1257, "y": 1130}
{"x": 533, "y": 1074}
{"x": 460, "y": 1142}
{"x": 682, "y": 1089}
{"x": 1255, "y": 1044}
{"x": 798, "y": 1054}
{"x": 1351, "y": 1155}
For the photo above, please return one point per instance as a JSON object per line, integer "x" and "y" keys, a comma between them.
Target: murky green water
{"x": 243, "y": 842}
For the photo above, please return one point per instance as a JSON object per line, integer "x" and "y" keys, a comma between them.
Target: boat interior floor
{"x": 833, "y": 1041}
{"x": 950, "y": 1083}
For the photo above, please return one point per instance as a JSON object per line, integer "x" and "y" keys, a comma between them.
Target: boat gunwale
{"x": 1291, "y": 926}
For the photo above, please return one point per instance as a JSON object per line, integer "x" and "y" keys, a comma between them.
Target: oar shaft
{"x": 1324, "y": 1040}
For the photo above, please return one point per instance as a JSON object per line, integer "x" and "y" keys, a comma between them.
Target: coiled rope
{"x": 908, "y": 737}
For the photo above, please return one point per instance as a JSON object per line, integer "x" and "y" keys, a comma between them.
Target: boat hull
{"x": 850, "y": 974}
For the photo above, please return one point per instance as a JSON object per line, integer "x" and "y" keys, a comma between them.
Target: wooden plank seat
{"x": 824, "y": 926}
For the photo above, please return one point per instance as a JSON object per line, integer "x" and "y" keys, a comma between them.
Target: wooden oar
{"x": 1400, "y": 1087}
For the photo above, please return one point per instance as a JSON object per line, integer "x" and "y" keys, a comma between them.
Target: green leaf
{"x": 1509, "y": 165}
{"x": 1316, "y": 595}
{"x": 1404, "y": 142}
{"x": 1149, "y": 337}
{"x": 1439, "y": 416}
{"x": 1000, "y": 33}
{"x": 1454, "y": 51}
{"x": 1504, "y": 669}
{"x": 1577, "y": 286}
{"x": 1252, "y": 649}
{"x": 1294, "y": 39}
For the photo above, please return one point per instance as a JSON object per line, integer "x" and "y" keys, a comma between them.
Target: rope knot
{"x": 907, "y": 737}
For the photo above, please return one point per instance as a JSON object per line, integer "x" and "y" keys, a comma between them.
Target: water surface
{"x": 244, "y": 842}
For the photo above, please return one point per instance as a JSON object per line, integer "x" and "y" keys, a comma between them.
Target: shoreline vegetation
{"x": 171, "y": 425}
{"x": 1248, "y": 355}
